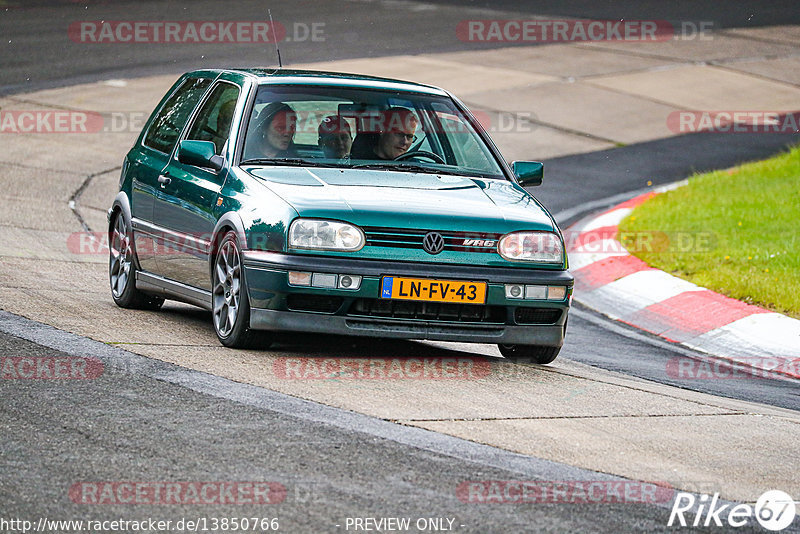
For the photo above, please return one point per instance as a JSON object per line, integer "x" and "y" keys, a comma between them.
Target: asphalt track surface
{"x": 38, "y": 53}
{"x": 129, "y": 426}
{"x": 139, "y": 426}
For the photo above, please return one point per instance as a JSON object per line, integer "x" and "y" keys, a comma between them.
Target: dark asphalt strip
{"x": 618, "y": 347}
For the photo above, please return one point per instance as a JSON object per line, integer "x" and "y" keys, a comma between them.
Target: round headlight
{"x": 544, "y": 247}
{"x": 321, "y": 234}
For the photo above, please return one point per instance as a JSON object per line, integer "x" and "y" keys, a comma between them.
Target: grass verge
{"x": 736, "y": 232}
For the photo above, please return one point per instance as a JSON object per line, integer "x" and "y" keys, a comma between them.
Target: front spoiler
{"x": 291, "y": 321}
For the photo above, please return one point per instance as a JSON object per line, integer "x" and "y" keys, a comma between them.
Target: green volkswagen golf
{"x": 331, "y": 203}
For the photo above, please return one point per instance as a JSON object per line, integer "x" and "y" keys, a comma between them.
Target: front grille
{"x": 313, "y": 303}
{"x": 411, "y": 238}
{"x": 428, "y": 311}
{"x": 536, "y": 315}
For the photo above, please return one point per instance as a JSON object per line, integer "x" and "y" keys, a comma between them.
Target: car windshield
{"x": 364, "y": 128}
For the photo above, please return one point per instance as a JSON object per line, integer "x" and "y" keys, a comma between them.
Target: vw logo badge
{"x": 433, "y": 243}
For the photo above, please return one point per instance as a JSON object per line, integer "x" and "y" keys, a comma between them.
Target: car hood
{"x": 405, "y": 199}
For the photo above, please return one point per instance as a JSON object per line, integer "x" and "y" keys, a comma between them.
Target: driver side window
{"x": 213, "y": 121}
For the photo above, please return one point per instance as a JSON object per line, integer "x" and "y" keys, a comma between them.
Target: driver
{"x": 396, "y": 133}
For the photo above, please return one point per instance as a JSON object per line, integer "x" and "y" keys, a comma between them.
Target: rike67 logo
{"x": 774, "y": 510}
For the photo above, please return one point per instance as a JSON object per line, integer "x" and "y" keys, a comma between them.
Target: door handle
{"x": 164, "y": 180}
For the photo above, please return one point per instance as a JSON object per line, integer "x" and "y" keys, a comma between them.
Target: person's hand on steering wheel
{"x": 422, "y": 154}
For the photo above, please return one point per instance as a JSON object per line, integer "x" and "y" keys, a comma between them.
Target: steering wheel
{"x": 209, "y": 130}
{"x": 421, "y": 153}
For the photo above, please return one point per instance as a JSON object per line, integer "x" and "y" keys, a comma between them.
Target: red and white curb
{"x": 623, "y": 287}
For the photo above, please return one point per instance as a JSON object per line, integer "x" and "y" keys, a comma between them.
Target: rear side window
{"x": 167, "y": 126}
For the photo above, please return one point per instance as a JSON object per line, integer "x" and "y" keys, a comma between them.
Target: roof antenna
{"x": 274, "y": 36}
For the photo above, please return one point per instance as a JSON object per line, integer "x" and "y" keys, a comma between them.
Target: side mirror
{"x": 528, "y": 172}
{"x": 200, "y": 154}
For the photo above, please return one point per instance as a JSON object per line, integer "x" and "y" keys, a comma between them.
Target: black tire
{"x": 539, "y": 354}
{"x": 122, "y": 267}
{"x": 229, "y": 298}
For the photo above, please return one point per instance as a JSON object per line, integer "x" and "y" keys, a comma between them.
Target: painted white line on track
{"x": 587, "y": 255}
{"x": 759, "y": 335}
{"x": 612, "y": 218}
{"x": 653, "y": 285}
{"x": 635, "y": 292}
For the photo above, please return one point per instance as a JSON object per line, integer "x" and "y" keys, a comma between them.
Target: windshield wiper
{"x": 293, "y": 162}
{"x": 407, "y": 167}
{"x": 299, "y": 162}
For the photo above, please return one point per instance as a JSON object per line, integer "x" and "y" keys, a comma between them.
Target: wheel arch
{"x": 229, "y": 221}
{"x": 122, "y": 204}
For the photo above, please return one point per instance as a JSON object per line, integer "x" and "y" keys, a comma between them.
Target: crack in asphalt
{"x": 73, "y": 200}
{"x": 129, "y": 343}
{"x": 56, "y": 260}
{"x": 729, "y": 68}
{"x": 767, "y": 40}
{"x": 553, "y": 417}
{"x": 46, "y": 104}
{"x": 683, "y": 60}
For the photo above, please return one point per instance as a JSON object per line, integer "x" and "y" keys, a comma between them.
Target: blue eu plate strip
{"x": 386, "y": 290}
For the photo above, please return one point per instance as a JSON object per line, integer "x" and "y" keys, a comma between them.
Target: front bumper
{"x": 351, "y": 312}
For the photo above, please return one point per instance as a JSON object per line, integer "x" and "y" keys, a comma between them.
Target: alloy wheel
{"x": 227, "y": 286}
{"x": 121, "y": 257}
